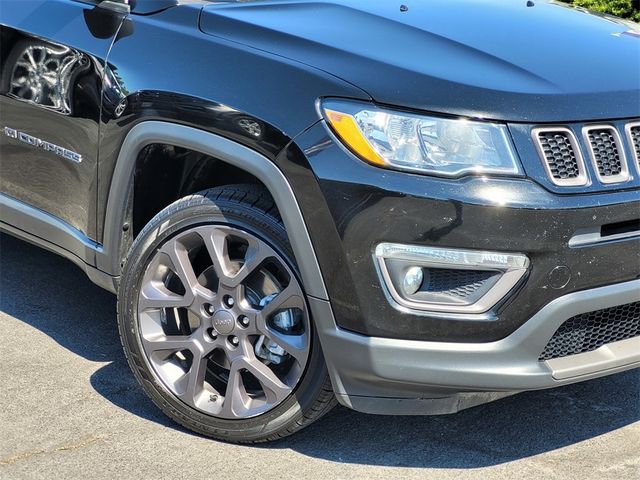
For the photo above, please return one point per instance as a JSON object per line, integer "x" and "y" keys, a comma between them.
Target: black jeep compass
{"x": 407, "y": 208}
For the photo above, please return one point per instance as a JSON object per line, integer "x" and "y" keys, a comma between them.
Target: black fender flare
{"x": 108, "y": 259}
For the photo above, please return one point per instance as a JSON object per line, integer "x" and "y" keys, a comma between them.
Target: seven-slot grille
{"x": 589, "y": 331}
{"x": 563, "y": 156}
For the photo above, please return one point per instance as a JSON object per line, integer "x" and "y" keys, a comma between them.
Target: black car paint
{"x": 368, "y": 206}
{"x": 161, "y": 66}
{"x": 491, "y": 59}
{"x": 64, "y": 189}
{"x": 219, "y": 82}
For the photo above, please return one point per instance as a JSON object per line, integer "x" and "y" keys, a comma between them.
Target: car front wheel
{"x": 214, "y": 321}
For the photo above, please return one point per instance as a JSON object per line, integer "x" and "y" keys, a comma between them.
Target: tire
{"x": 241, "y": 234}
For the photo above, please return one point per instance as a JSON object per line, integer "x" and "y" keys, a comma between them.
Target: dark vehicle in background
{"x": 407, "y": 209}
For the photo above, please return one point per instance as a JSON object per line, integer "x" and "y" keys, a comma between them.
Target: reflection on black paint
{"x": 435, "y": 234}
{"x": 114, "y": 93}
{"x": 102, "y": 23}
{"x": 125, "y": 31}
{"x": 43, "y": 73}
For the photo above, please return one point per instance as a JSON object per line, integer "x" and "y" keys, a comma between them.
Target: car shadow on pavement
{"x": 52, "y": 295}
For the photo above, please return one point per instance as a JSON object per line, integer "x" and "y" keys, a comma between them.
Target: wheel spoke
{"x": 275, "y": 390}
{"x": 235, "y": 397}
{"x": 173, "y": 343}
{"x": 254, "y": 257}
{"x": 156, "y": 295}
{"x": 290, "y": 297}
{"x": 182, "y": 267}
{"x": 50, "y": 78}
{"x": 215, "y": 240}
{"x": 194, "y": 380}
{"x": 294, "y": 345}
{"x": 30, "y": 59}
{"x": 24, "y": 64}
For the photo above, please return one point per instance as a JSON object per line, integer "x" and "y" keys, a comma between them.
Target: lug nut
{"x": 234, "y": 341}
{"x": 209, "y": 309}
{"x": 244, "y": 321}
{"x": 212, "y": 333}
{"x": 229, "y": 301}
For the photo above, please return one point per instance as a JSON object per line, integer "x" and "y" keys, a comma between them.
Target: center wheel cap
{"x": 223, "y": 322}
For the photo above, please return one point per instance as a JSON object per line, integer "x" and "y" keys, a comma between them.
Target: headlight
{"x": 417, "y": 143}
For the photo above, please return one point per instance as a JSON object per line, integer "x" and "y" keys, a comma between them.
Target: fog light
{"x": 446, "y": 280}
{"x": 412, "y": 280}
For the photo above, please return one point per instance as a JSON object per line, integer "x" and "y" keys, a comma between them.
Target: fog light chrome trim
{"x": 512, "y": 267}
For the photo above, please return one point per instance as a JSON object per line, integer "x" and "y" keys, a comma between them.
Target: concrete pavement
{"x": 69, "y": 408}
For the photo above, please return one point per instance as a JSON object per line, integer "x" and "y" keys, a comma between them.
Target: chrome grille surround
{"x": 607, "y": 153}
{"x": 633, "y": 136}
{"x": 561, "y": 156}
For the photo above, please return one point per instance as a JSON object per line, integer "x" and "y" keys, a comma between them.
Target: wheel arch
{"x": 149, "y": 132}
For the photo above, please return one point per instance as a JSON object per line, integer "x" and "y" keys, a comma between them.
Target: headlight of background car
{"x": 417, "y": 143}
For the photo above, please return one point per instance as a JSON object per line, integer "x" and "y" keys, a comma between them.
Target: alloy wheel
{"x": 223, "y": 322}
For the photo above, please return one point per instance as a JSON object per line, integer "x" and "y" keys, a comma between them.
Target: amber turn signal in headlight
{"x": 424, "y": 144}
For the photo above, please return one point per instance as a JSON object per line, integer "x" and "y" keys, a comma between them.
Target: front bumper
{"x": 392, "y": 376}
{"x": 384, "y": 359}
{"x": 351, "y": 207}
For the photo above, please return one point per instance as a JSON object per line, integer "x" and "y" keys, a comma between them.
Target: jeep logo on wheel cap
{"x": 223, "y": 322}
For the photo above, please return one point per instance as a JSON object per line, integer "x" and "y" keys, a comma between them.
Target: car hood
{"x": 499, "y": 59}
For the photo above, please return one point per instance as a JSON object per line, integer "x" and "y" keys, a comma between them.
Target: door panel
{"x": 52, "y": 58}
